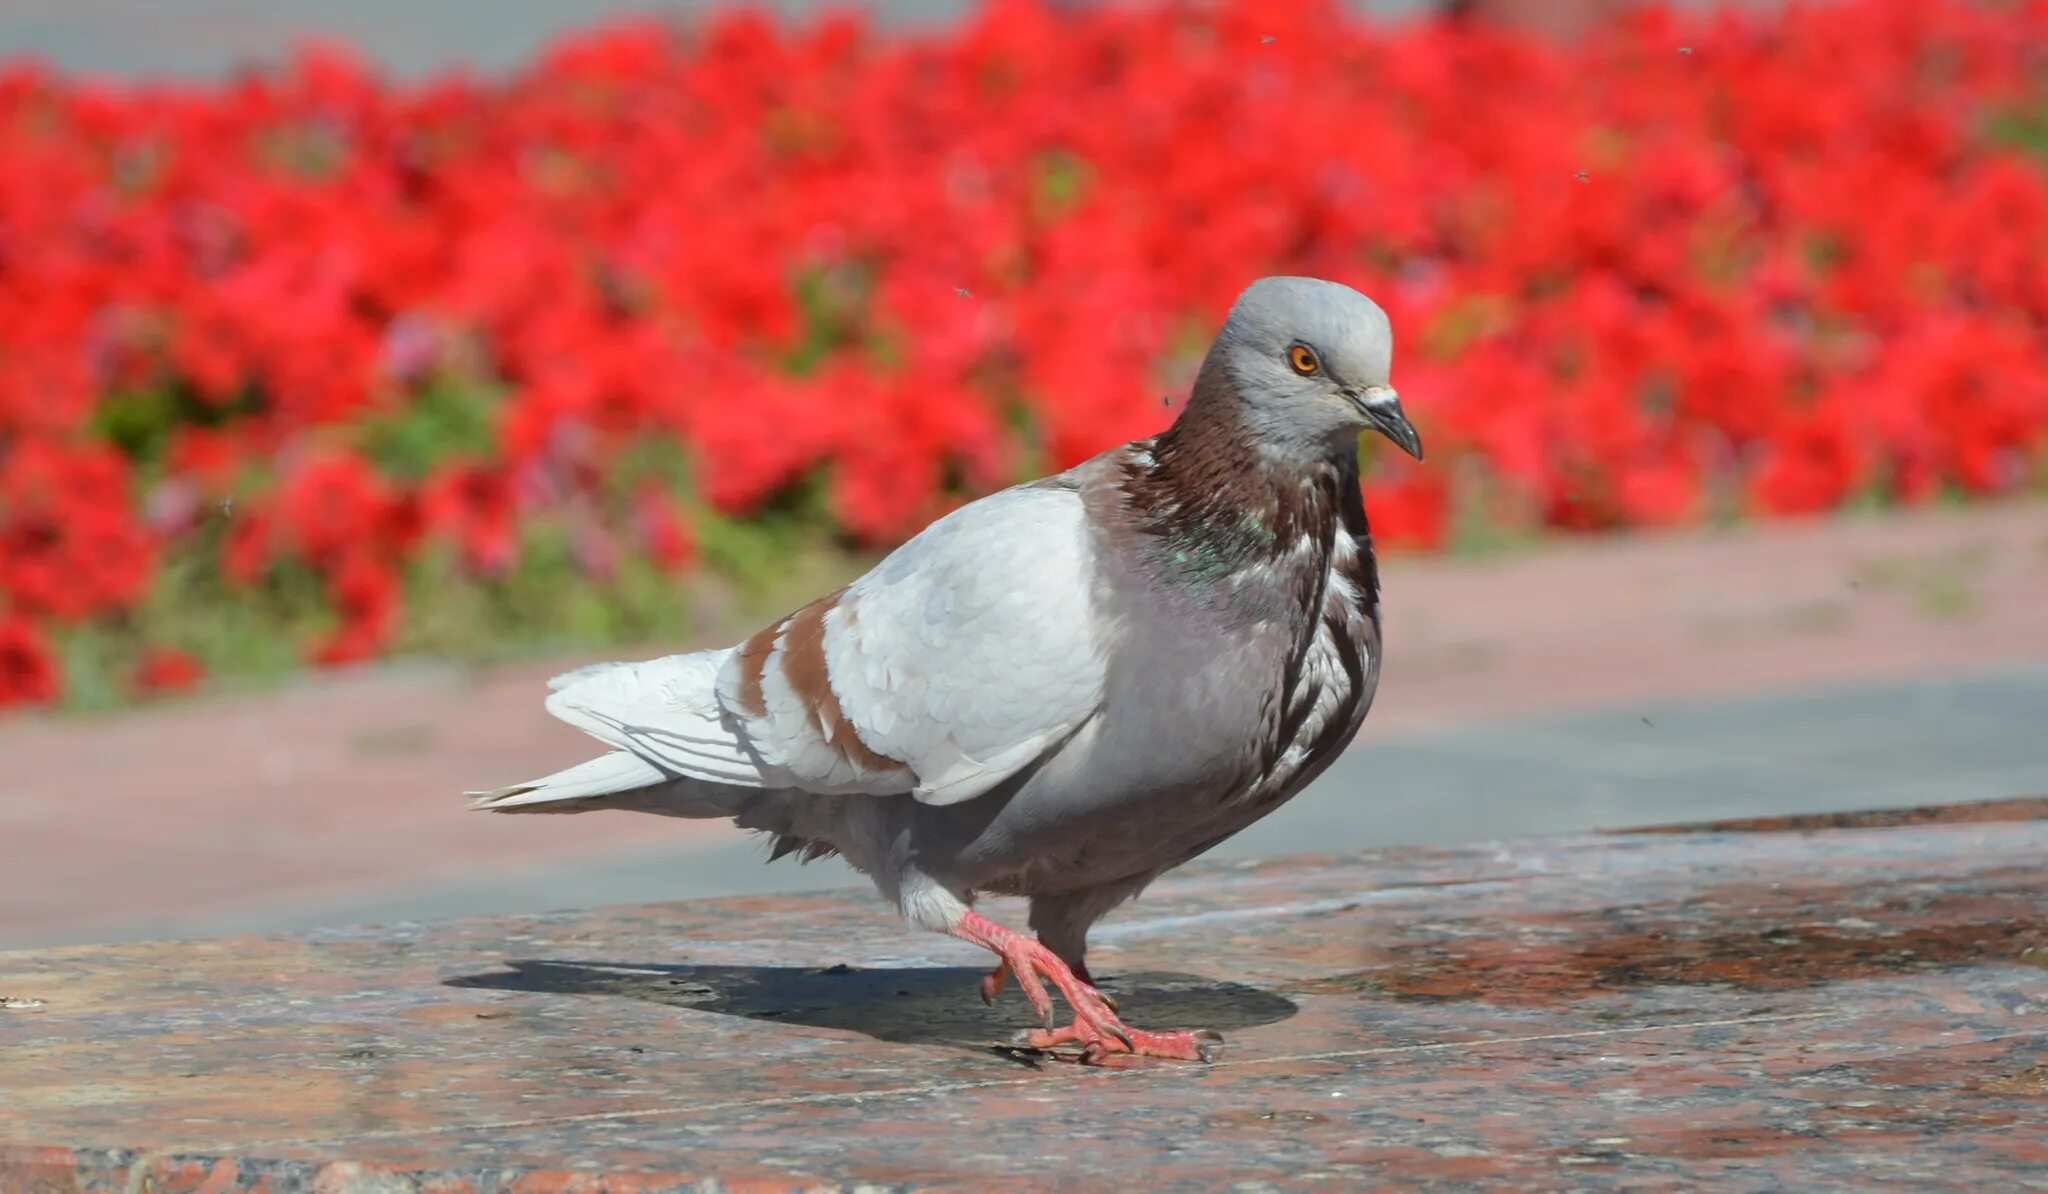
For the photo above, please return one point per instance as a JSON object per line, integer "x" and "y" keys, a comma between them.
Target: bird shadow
{"x": 920, "y": 1005}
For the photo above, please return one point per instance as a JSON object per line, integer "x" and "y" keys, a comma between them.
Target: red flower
{"x": 208, "y": 456}
{"x": 476, "y": 508}
{"x": 1412, "y": 510}
{"x": 330, "y": 505}
{"x": 70, "y": 547}
{"x": 663, "y": 532}
{"x": 1813, "y": 463}
{"x": 366, "y": 593}
{"x": 28, "y": 673}
{"x": 248, "y": 551}
{"x": 165, "y": 670}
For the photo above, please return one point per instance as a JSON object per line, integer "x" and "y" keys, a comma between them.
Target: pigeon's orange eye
{"x": 1303, "y": 358}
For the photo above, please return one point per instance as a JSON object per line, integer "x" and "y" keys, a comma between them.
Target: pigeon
{"x": 1062, "y": 690}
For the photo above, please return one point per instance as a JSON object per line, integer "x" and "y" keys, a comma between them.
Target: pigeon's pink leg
{"x": 992, "y": 986}
{"x": 1096, "y": 1027}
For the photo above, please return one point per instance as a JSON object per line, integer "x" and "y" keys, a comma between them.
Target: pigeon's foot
{"x": 1096, "y": 1028}
{"x": 1196, "y": 1044}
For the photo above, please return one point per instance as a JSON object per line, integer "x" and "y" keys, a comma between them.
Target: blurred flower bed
{"x": 313, "y": 366}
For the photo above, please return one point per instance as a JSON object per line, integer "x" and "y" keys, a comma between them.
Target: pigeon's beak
{"x": 1382, "y": 410}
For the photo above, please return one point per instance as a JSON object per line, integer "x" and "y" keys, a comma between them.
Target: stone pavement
{"x": 1821, "y": 1003}
{"x": 1595, "y": 683}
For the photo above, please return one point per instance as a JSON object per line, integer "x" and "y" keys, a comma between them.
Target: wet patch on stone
{"x": 1742, "y": 938}
{"x": 2033, "y": 808}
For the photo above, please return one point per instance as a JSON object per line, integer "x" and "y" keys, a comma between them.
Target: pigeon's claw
{"x": 1198, "y": 1044}
{"x": 1034, "y": 990}
{"x": 1096, "y": 1027}
{"x": 993, "y": 985}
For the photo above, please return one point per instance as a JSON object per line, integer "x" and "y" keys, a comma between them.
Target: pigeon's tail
{"x": 671, "y": 750}
{"x": 603, "y": 776}
{"x": 615, "y": 780}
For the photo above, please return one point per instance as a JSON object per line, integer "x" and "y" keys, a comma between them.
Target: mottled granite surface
{"x": 1819, "y": 1003}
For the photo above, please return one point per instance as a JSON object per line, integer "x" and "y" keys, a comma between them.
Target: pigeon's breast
{"x": 1157, "y": 776}
{"x": 1239, "y": 657}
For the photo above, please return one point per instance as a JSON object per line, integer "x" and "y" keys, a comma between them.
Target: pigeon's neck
{"x": 1223, "y": 517}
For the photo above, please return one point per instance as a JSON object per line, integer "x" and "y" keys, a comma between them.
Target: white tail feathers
{"x": 664, "y": 710}
{"x": 661, "y": 718}
{"x": 602, "y": 776}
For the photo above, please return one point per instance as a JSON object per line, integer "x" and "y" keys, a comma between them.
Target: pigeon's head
{"x": 1309, "y": 362}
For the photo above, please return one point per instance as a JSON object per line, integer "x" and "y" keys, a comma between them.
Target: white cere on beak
{"x": 1380, "y": 396}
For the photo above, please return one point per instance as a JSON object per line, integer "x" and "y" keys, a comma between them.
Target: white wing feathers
{"x": 962, "y": 658}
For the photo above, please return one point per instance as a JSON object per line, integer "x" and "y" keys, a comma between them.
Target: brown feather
{"x": 810, "y": 678}
{"x": 753, "y": 656}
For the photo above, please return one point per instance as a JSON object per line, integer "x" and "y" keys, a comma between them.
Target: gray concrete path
{"x": 1975, "y": 736}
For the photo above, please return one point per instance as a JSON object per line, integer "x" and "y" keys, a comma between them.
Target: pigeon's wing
{"x": 963, "y": 657}
{"x": 960, "y": 660}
